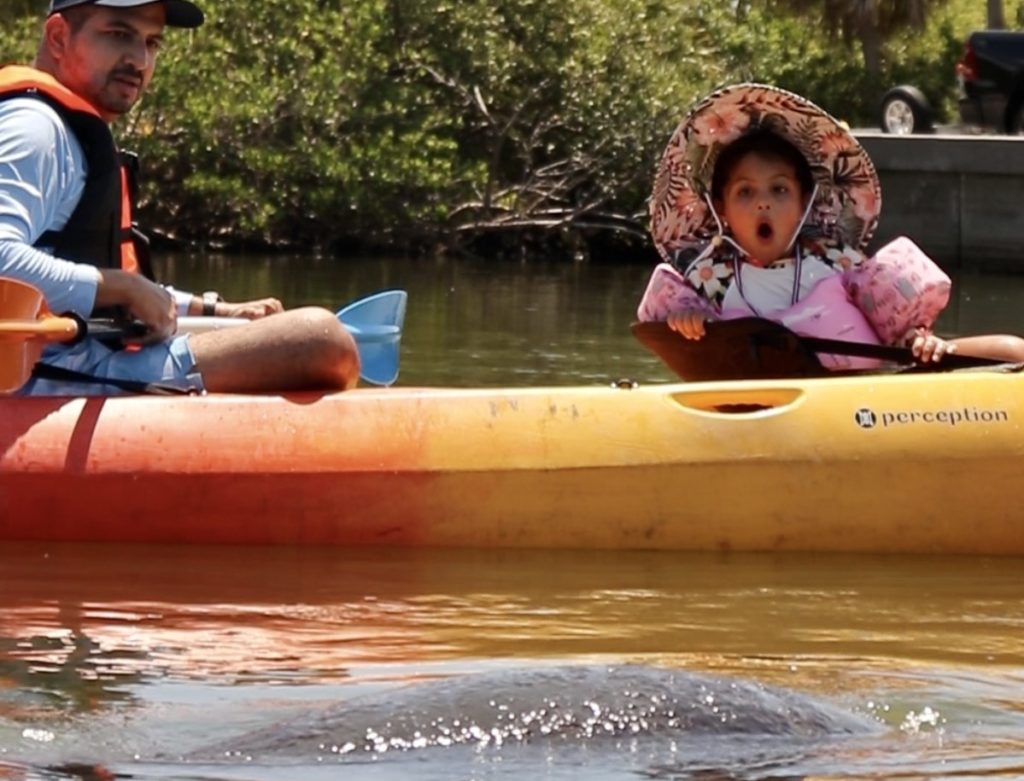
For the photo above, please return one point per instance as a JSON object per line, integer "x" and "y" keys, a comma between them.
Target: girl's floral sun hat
{"x": 848, "y": 197}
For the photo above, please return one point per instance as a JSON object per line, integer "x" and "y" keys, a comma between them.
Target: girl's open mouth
{"x": 764, "y": 231}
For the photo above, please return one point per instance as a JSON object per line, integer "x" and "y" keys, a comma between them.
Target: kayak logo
{"x": 866, "y": 418}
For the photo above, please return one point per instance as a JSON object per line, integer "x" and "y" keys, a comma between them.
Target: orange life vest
{"x": 99, "y": 230}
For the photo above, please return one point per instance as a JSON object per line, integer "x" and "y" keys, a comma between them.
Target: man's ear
{"x": 56, "y": 35}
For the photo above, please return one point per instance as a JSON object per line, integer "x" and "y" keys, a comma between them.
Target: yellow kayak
{"x": 881, "y": 463}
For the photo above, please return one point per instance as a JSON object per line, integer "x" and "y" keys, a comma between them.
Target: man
{"x": 65, "y": 224}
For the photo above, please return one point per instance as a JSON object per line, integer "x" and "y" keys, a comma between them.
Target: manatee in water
{"x": 575, "y": 704}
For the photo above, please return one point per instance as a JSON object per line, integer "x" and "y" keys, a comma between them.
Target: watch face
{"x": 210, "y": 299}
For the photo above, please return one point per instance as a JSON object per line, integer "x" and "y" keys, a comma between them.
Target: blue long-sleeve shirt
{"x": 42, "y": 177}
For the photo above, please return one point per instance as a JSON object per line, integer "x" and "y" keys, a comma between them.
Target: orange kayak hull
{"x": 921, "y": 464}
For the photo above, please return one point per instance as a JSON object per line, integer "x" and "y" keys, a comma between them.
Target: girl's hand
{"x": 689, "y": 323}
{"x": 929, "y": 348}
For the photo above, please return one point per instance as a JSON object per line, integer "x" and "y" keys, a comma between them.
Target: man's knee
{"x": 330, "y": 344}
{"x": 300, "y": 348}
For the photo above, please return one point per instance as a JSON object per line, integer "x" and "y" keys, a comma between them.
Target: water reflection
{"x": 164, "y": 649}
{"x": 506, "y": 323}
{"x": 58, "y": 668}
{"x": 278, "y": 615}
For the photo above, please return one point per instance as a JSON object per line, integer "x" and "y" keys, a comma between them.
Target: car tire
{"x": 1014, "y": 124}
{"x": 1014, "y": 121}
{"x": 905, "y": 110}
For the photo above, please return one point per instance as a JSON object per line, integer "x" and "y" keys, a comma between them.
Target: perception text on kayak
{"x": 868, "y": 418}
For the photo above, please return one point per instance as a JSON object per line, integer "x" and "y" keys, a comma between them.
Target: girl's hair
{"x": 766, "y": 144}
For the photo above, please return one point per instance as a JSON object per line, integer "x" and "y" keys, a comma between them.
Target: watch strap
{"x": 210, "y": 300}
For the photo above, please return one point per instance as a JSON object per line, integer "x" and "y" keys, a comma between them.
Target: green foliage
{"x": 19, "y": 36}
{"x": 464, "y": 123}
{"x": 831, "y": 72}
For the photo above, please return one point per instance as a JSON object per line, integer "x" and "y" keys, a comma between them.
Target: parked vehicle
{"x": 990, "y": 77}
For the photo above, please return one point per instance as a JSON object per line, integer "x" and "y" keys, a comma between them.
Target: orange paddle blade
{"x": 26, "y": 327}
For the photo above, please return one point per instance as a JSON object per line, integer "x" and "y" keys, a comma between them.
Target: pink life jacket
{"x": 881, "y": 300}
{"x": 825, "y": 312}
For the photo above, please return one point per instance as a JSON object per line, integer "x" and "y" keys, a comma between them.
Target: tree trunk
{"x": 996, "y": 17}
{"x": 870, "y": 46}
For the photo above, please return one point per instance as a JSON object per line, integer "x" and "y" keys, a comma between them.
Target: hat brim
{"x": 179, "y": 13}
{"x": 848, "y": 198}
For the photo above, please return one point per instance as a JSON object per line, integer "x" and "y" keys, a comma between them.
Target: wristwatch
{"x": 210, "y": 300}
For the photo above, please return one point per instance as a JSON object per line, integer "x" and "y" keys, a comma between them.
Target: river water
{"x": 503, "y": 323}
{"x": 267, "y": 664}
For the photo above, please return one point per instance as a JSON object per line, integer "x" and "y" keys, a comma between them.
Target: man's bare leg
{"x": 303, "y": 348}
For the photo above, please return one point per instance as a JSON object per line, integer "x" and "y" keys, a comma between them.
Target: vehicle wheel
{"x": 905, "y": 110}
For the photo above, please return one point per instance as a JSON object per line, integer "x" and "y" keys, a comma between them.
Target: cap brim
{"x": 180, "y": 13}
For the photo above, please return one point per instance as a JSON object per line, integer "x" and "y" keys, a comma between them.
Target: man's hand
{"x": 143, "y": 300}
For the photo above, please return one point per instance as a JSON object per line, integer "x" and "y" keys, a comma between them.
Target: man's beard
{"x": 112, "y": 97}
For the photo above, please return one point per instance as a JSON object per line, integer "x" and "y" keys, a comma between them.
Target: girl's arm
{"x": 668, "y": 294}
{"x": 999, "y": 347}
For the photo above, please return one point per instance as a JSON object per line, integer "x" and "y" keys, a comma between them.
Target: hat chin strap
{"x": 720, "y": 237}
{"x": 803, "y": 219}
{"x": 716, "y": 241}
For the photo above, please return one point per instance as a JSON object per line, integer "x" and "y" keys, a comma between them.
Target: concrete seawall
{"x": 961, "y": 198}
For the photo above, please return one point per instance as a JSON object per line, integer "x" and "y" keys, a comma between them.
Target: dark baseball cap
{"x": 180, "y": 13}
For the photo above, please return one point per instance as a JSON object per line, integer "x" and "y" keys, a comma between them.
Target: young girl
{"x": 763, "y": 206}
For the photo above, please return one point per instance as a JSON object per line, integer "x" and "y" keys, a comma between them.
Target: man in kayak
{"x": 65, "y": 220}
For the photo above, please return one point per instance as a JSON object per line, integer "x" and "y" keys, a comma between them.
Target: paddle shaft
{"x": 67, "y": 329}
{"x": 48, "y": 329}
{"x": 755, "y": 348}
{"x": 884, "y": 352}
